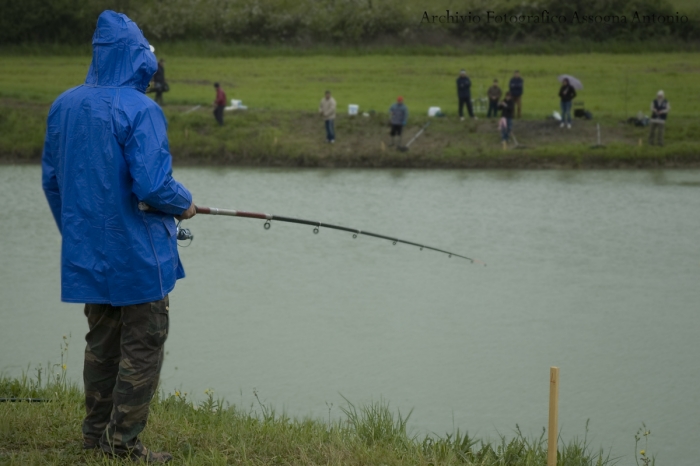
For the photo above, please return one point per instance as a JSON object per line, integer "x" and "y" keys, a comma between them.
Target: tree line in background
{"x": 305, "y": 22}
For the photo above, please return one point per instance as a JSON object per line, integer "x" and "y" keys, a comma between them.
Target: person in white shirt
{"x": 327, "y": 109}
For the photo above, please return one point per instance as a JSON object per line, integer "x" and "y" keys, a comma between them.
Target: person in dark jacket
{"x": 159, "y": 82}
{"x": 567, "y": 93}
{"x": 219, "y": 104}
{"x": 464, "y": 94}
{"x": 494, "y": 94}
{"x": 516, "y": 88}
{"x": 659, "y": 110}
{"x": 506, "y": 121}
{"x": 105, "y": 152}
{"x": 398, "y": 117}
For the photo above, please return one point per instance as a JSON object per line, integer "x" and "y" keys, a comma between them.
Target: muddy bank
{"x": 263, "y": 138}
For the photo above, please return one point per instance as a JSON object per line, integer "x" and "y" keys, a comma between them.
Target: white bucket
{"x": 235, "y": 105}
{"x": 353, "y": 109}
{"x": 432, "y": 111}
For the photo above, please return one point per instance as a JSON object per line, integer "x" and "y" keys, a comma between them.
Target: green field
{"x": 615, "y": 85}
{"x": 282, "y": 94}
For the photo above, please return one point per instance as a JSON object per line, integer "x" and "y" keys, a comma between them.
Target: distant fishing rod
{"x": 185, "y": 234}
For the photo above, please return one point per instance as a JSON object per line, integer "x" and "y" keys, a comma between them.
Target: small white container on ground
{"x": 236, "y": 105}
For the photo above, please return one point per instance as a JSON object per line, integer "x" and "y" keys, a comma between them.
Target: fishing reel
{"x": 184, "y": 234}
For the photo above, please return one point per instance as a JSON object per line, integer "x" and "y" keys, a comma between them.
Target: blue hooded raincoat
{"x": 106, "y": 149}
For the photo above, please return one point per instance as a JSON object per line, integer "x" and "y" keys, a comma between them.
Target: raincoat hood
{"x": 121, "y": 55}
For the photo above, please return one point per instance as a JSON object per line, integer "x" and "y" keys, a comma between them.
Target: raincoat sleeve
{"x": 150, "y": 163}
{"x": 405, "y": 116}
{"x": 48, "y": 174}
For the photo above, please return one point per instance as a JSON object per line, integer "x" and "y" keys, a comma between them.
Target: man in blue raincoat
{"x": 106, "y": 150}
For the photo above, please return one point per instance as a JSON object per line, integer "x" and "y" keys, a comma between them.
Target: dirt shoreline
{"x": 515, "y": 162}
{"x": 297, "y": 140}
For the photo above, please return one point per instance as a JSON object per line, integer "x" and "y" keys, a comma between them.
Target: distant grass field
{"x": 615, "y": 85}
{"x": 283, "y": 93}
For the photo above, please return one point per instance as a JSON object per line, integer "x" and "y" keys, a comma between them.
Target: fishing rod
{"x": 185, "y": 233}
{"x": 405, "y": 148}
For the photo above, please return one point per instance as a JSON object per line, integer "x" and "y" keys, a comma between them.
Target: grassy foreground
{"x": 215, "y": 433}
{"x": 281, "y": 127}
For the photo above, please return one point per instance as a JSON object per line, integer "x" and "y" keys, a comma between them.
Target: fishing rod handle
{"x": 143, "y": 207}
{"x": 214, "y": 211}
{"x": 231, "y": 213}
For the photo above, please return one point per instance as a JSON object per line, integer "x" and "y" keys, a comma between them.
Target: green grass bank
{"x": 281, "y": 127}
{"x": 213, "y": 432}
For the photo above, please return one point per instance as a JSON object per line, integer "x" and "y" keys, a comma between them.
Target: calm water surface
{"x": 594, "y": 272}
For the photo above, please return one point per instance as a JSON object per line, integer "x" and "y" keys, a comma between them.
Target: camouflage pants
{"x": 123, "y": 358}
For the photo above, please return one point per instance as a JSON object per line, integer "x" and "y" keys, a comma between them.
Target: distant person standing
{"x": 398, "y": 117}
{"x": 567, "y": 93}
{"x": 464, "y": 94}
{"x": 159, "y": 82}
{"x": 516, "y": 88}
{"x": 506, "y": 122}
{"x": 219, "y": 104}
{"x": 494, "y": 94}
{"x": 659, "y": 110}
{"x": 327, "y": 109}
